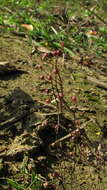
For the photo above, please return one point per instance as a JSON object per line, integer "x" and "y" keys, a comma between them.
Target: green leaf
{"x": 69, "y": 51}
{"x": 15, "y": 184}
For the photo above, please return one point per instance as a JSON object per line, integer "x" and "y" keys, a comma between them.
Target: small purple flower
{"x": 56, "y": 174}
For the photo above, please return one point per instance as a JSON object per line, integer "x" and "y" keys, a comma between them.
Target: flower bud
{"x": 48, "y": 101}
{"x": 49, "y": 77}
{"x": 62, "y": 44}
{"x": 55, "y": 71}
{"x": 60, "y": 95}
{"x": 46, "y": 91}
{"x": 74, "y": 99}
{"x": 42, "y": 77}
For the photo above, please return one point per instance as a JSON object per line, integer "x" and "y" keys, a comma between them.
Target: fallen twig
{"x": 74, "y": 134}
{"x": 16, "y": 119}
{"x": 7, "y": 10}
{"x": 92, "y": 12}
{"x": 97, "y": 82}
{"x": 13, "y": 120}
{"x": 61, "y": 139}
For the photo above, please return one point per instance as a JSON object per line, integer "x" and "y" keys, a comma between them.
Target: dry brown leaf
{"x": 27, "y": 26}
{"x": 43, "y": 49}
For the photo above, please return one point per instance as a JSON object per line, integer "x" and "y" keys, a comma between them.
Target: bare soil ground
{"x": 25, "y": 131}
